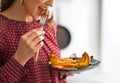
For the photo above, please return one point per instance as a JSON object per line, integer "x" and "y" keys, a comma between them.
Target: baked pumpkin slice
{"x": 69, "y": 63}
{"x": 43, "y": 12}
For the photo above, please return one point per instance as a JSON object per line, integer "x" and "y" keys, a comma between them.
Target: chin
{"x": 36, "y": 17}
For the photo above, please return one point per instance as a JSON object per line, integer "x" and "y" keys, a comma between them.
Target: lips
{"x": 39, "y": 10}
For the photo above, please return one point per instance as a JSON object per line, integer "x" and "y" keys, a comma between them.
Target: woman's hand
{"x": 64, "y": 74}
{"x": 67, "y": 73}
{"x": 28, "y": 45}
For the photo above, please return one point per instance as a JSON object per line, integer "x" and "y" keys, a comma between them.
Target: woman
{"x": 21, "y": 36}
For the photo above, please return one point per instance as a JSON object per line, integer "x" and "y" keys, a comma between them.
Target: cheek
{"x": 39, "y": 1}
{"x": 44, "y": 1}
{"x": 30, "y": 7}
{"x": 50, "y": 2}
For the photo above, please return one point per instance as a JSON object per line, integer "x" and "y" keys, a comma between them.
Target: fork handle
{"x": 35, "y": 57}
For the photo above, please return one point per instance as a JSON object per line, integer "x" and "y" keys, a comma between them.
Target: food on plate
{"x": 70, "y": 63}
{"x": 43, "y": 12}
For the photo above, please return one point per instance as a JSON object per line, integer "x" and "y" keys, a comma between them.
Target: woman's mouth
{"x": 41, "y": 10}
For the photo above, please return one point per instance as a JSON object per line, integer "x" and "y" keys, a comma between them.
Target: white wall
{"x": 111, "y": 40}
{"x": 81, "y": 17}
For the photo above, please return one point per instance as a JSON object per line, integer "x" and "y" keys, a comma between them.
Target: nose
{"x": 49, "y": 3}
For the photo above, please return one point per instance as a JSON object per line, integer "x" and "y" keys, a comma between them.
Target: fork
{"x": 42, "y": 22}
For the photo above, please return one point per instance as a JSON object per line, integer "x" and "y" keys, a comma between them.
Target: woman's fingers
{"x": 29, "y": 44}
{"x": 37, "y": 40}
{"x": 35, "y": 34}
{"x": 33, "y": 37}
{"x": 38, "y": 46}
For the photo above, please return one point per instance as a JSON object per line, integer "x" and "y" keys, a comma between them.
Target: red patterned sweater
{"x": 33, "y": 72}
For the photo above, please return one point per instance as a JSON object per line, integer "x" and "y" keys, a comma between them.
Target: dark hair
{"x": 5, "y": 4}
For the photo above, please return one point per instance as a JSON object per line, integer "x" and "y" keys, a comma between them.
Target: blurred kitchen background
{"x": 92, "y": 26}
